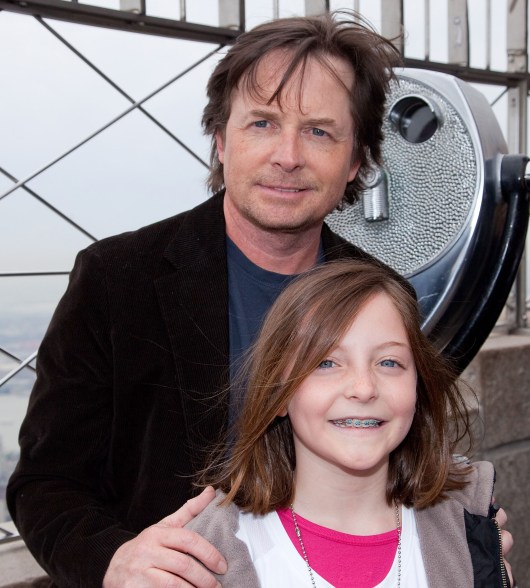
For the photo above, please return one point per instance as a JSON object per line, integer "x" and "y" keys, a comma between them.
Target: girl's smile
{"x": 356, "y": 423}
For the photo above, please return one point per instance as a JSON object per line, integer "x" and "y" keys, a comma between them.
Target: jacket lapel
{"x": 194, "y": 301}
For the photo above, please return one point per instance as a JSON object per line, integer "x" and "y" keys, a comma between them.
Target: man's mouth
{"x": 284, "y": 189}
{"x": 287, "y": 185}
{"x": 357, "y": 423}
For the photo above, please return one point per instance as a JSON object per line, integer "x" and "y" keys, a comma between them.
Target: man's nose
{"x": 288, "y": 150}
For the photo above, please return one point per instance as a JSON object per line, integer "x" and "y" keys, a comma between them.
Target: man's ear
{"x": 219, "y": 143}
{"x": 354, "y": 168}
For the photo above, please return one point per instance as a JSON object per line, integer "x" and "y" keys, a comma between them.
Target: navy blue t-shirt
{"x": 251, "y": 292}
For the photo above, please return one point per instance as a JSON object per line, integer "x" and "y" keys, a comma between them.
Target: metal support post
{"x": 134, "y": 6}
{"x": 392, "y": 22}
{"x": 458, "y": 32}
{"x": 315, "y": 7}
{"x": 232, "y": 14}
{"x": 516, "y": 45}
{"x": 517, "y": 113}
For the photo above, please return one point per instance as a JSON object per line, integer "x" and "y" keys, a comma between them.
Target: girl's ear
{"x": 283, "y": 413}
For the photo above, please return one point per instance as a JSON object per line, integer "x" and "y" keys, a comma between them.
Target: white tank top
{"x": 279, "y": 565}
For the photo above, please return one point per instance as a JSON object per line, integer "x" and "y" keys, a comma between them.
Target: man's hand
{"x": 507, "y": 541}
{"x": 160, "y": 556}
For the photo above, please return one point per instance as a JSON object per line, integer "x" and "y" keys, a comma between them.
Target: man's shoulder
{"x": 153, "y": 239}
{"x": 336, "y": 247}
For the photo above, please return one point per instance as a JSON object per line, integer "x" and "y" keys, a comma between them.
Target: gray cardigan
{"x": 445, "y": 531}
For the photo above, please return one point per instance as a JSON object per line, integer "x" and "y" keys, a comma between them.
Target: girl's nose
{"x": 361, "y": 386}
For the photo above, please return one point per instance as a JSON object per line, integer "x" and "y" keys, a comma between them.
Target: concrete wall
{"x": 500, "y": 376}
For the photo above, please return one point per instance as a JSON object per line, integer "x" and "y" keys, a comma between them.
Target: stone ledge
{"x": 500, "y": 376}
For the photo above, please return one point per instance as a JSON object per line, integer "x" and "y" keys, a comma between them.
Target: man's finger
{"x": 181, "y": 570}
{"x": 501, "y": 517}
{"x": 183, "y": 543}
{"x": 190, "y": 510}
{"x": 507, "y": 542}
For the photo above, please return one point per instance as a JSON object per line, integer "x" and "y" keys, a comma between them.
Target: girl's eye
{"x": 327, "y": 363}
{"x": 319, "y": 132}
{"x": 389, "y": 363}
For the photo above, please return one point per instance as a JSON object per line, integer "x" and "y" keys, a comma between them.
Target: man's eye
{"x": 318, "y": 132}
{"x": 261, "y": 124}
{"x": 327, "y": 363}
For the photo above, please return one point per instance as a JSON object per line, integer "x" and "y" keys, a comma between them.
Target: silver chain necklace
{"x": 302, "y": 546}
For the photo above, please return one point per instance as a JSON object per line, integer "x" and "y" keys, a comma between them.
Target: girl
{"x": 341, "y": 472}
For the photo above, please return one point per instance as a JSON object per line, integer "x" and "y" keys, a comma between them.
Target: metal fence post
{"x": 516, "y": 46}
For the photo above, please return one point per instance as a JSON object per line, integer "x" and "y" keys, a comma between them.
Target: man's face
{"x": 286, "y": 169}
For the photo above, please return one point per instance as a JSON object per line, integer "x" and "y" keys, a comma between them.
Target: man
{"x": 134, "y": 367}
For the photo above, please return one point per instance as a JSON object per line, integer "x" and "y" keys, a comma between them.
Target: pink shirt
{"x": 343, "y": 560}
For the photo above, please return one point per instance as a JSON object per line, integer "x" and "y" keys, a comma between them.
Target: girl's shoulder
{"x": 476, "y": 495}
{"x": 218, "y": 524}
{"x": 215, "y": 518}
{"x": 460, "y": 520}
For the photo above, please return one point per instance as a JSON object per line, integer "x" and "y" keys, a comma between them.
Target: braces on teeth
{"x": 357, "y": 423}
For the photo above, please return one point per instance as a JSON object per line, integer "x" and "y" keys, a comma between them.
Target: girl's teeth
{"x": 359, "y": 423}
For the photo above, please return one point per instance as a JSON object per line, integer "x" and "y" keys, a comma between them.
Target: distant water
{"x": 12, "y": 411}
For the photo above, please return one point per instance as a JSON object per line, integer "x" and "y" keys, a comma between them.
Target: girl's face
{"x": 358, "y": 405}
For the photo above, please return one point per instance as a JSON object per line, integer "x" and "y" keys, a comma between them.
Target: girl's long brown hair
{"x": 306, "y": 322}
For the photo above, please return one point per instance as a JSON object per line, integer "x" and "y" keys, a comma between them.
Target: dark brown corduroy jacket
{"x": 129, "y": 392}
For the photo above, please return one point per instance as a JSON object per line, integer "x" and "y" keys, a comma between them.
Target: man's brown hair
{"x": 307, "y": 322}
{"x": 340, "y": 34}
